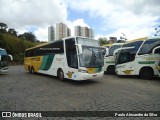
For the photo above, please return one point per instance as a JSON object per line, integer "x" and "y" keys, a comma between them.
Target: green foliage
{"x": 28, "y": 36}
{"x": 103, "y": 41}
{"x": 3, "y": 27}
{"x": 15, "y": 46}
{"x": 12, "y": 31}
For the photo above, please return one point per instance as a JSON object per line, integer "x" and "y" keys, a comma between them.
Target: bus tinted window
{"x": 71, "y": 53}
{"x": 3, "y": 52}
{"x": 29, "y": 53}
{"x": 53, "y": 48}
{"x": 112, "y": 48}
{"x": 136, "y": 46}
{"x": 148, "y": 46}
{"x": 49, "y": 49}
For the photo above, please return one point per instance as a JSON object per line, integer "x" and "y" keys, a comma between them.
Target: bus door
{"x": 72, "y": 61}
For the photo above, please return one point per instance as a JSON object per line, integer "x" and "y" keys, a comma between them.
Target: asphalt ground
{"x": 22, "y": 91}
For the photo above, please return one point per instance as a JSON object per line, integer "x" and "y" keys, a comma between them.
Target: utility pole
{"x": 123, "y": 37}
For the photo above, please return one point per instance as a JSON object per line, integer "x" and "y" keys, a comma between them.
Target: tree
{"x": 28, "y": 36}
{"x": 12, "y": 31}
{"x": 103, "y": 41}
{"x": 3, "y": 27}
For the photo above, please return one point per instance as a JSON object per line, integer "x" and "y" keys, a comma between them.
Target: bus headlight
{"x": 83, "y": 71}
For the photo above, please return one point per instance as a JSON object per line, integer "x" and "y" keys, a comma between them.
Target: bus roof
{"x": 37, "y": 46}
{"x": 155, "y": 37}
{"x": 107, "y": 45}
{"x": 117, "y": 44}
{"x": 142, "y": 39}
{"x": 137, "y": 39}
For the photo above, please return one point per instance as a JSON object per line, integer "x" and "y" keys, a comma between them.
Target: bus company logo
{"x": 127, "y": 72}
{"x": 151, "y": 58}
{"x": 49, "y": 48}
{"x": 70, "y": 74}
{"x": 6, "y": 114}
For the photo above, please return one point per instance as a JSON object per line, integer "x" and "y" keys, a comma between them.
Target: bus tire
{"x": 61, "y": 74}
{"x": 111, "y": 70}
{"x": 32, "y": 70}
{"x": 29, "y": 69}
{"x": 146, "y": 73}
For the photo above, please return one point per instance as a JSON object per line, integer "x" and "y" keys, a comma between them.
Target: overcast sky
{"x": 134, "y": 18}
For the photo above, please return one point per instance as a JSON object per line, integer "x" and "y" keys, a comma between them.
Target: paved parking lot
{"x": 21, "y": 91}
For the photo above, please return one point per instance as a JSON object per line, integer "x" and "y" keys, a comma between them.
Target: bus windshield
{"x": 112, "y": 49}
{"x": 91, "y": 57}
{"x": 3, "y": 52}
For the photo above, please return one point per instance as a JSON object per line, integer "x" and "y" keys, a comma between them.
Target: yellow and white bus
{"x": 109, "y": 59}
{"x": 139, "y": 58}
{"x": 75, "y": 58}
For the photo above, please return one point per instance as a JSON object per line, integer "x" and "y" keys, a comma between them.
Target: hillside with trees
{"x": 16, "y": 44}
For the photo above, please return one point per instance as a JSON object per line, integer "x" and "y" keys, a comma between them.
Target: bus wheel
{"x": 61, "y": 74}
{"x": 111, "y": 70}
{"x": 29, "y": 69}
{"x": 32, "y": 70}
{"x": 146, "y": 73}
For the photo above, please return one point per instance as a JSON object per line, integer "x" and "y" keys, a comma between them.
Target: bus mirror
{"x": 11, "y": 58}
{"x": 153, "y": 51}
{"x": 79, "y": 48}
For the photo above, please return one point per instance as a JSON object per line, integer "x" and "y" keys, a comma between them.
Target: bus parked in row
{"x": 109, "y": 59}
{"x": 158, "y": 69}
{"x": 75, "y": 58}
{"x": 139, "y": 58}
{"x": 4, "y": 60}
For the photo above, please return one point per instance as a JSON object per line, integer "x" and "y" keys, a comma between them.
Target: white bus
{"x": 109, "y": 59}
{"x": 4, "y": 60}
{"x": 158, "y": 67}
{"x": 139, "y": 58}
{"x": 75, "y": 58}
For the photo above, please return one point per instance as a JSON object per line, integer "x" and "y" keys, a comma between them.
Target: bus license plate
{"x": 94, "y": 75}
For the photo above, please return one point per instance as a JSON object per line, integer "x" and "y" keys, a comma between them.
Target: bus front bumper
{"x": 86, "y": 76}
